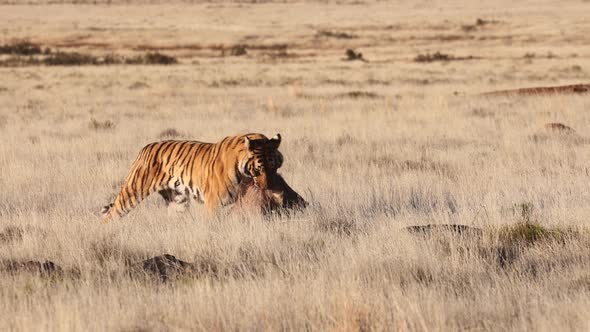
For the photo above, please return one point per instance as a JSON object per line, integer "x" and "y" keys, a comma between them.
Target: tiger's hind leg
{"x": 135, "y": 189}
{"x": 127, "y": 199}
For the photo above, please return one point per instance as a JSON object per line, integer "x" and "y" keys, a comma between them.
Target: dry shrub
{"x": 70, "y": 59}
{"x": 165, "y": 267}
{"x": 529, "y": 233}
{"x": 171, "y": 133}
{"x": 352, "y": 55}
{"x": 101, "y": 125}
{"x": 108, "y": 251}
{"x": 138, "y": 85}
{"x": 45, "y": 269}
{"x": 581, "y": 284}
{"x": 28, "y": 54}
{"x": 238, "y": 50}
{"x": 335, "y": 34}
{"x": 341, "y": 224}
{"x": 446, "y": 228}
{"x": 280, "y": 53}
{"x": 157, "y": 58}
{"x": 440, "y": 57}
{"x": 21, "y": 48}
{"x": 111, "y": 155}
{"x": 424, "y": 165}
{"x": 432, "y": 57}
{"x": 359, "y": 94}
{"x": 11, "y": 234}
{"x": 345, "y": 139}
{"x": 543, "y": 90}
{"x": 479, "y": 23}
{"x": 152, "y": 58}
{"x": 482, "y": 112}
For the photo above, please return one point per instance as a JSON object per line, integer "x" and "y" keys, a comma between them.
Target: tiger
{"x": 210, "y": 173}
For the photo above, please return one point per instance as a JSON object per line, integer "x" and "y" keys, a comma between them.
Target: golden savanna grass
{"x": 402, "y": 139}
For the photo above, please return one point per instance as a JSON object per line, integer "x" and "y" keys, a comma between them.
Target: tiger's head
{"x": 263, "y": 159}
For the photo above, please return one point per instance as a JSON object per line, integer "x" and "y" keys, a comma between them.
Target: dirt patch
{"x": 442, "y": 57}
{"x": 545, "y": 90}
{"x": 556, "y": 130}
{"x": 335, "y": 34}
{"x": 24, "y": 54}
{"x": 359, "y": 94}
{"x": 557, "y": 127}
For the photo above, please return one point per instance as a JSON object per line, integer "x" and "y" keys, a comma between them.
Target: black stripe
{"x": 154, "y": 155}
{"x": 154, "y": 177}
{"x": 183, "y": 154}
{"x": 131, "y": 194}
{"x": 192, "y": 164}
{"x": 166, "y": 151}
{"x": 247, "y": 166}
{"x": 185, "y": 161}
{"x": 173, "y": 151}
{"x": 218, "y": 151}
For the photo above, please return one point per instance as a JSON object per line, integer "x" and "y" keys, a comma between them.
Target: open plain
{"x": 400, "y": 136}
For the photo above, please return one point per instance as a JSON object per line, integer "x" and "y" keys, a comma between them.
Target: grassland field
{"x": 402, "y": 137}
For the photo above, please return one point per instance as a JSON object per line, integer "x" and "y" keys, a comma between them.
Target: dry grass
{"x": 373, "y": 146}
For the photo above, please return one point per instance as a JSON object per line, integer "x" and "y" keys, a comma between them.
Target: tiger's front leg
{"x": 212, "y": 204}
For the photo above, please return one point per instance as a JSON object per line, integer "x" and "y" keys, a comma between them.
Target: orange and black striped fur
{"x": 212, "y": 173}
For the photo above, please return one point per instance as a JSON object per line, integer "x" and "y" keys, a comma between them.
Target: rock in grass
{"x": 46, "y": 269}
{"x": 164, "y": 267}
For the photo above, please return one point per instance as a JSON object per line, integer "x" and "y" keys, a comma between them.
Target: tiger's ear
{"x": 275, "y": 142}
{"x": 248, "y": 143}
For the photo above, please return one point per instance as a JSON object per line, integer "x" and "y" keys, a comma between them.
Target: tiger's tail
{"x": 106, "y": 212}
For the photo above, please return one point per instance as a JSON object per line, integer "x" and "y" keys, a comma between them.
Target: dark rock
{"x": 352, "y": 55}
{"x": 164, "y": 267}
{"x": 46, "y": 269}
